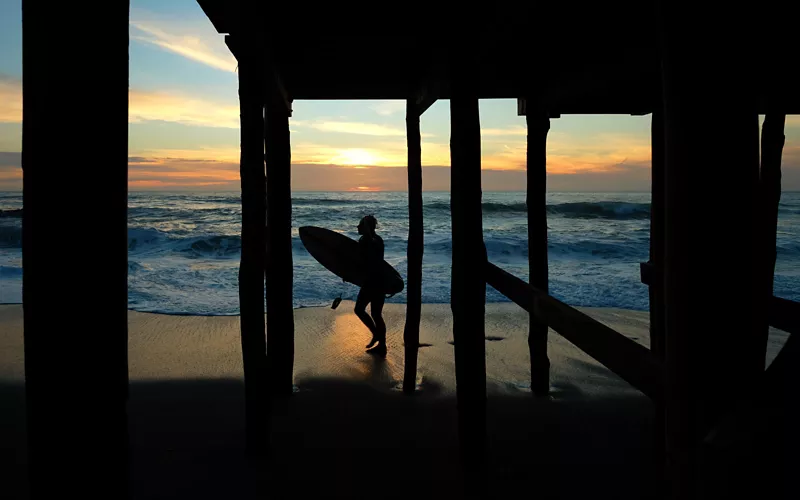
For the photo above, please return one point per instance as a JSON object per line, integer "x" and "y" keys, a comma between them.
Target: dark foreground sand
{"x": 349, "y": 431}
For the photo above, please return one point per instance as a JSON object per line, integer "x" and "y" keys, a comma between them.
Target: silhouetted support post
{"x": 772, "y": 141}
{"x": 252, "y": 267}
{"x": 415, "y": 247}
{"x": 76, "y": 379}
{"x": 279, "y": 269}
{"x": 538, "y": 123}
{"x": 656, "y": 275}
{"x": 656, "y": 285}
{"x": 468, "y": 286}
{"x": 711, "y": 267}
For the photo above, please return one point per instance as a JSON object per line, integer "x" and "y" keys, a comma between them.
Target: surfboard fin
{"x": 336, "y": 302}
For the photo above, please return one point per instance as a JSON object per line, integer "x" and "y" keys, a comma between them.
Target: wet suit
{"x": 371, "y": 250}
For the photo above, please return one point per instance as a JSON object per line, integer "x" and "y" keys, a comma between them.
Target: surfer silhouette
{"x": 371, "y": 249}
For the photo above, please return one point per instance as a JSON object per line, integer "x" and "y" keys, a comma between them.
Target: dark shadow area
{"x": 13, "y": 446}
{"x": 339, "y": 438}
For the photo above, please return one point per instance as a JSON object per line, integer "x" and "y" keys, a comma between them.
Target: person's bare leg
{"x": 380, "y": 326}
{"x": 361, "y": 312}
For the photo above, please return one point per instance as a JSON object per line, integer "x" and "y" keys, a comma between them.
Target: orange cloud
{"x": 10, "y": 100}
{"x": 569, "y": 155}
{"x": 187, "y": 173}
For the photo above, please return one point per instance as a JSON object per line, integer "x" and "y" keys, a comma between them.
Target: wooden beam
{"x": 538, "y": 124}
{"x": 415, "y": 247}
{"x": 522, "y": 108}
{"x": 630, "y": 361}
{"x": 253, "y": 266}
{"x": 76, "y": 372}
{"x": 279, "y": 267}
{"x": 468, "y": 285}
{"x": 424, "y": 100}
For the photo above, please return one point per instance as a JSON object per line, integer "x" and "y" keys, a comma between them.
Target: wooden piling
{"x": 710, "y": 231}
{"x": 253, "y": 266}
{"x": 772, "y": 141}
{"x": 76, "y": 378}
{"x": 415, "y": 247}
{"x": 468, "y": 284}
{"x": 656, "y": 286}
{"x": 279, "y": 267}
{"x": 538, "y": 123}
{"x": 656, "y": 282}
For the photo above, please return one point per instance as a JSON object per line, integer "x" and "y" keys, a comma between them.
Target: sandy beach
{"x": 348, "y": 430}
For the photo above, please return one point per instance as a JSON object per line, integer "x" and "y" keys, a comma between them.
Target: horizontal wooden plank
{"x": 632, "y": 362}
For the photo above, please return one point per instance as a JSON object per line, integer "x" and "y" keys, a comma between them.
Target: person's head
{"x": 367, "y": 225}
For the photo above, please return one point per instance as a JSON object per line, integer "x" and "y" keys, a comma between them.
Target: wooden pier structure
{"x": 703, "y": 80}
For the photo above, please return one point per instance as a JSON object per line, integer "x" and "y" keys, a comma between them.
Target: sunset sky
{"x": 184, "y": 125}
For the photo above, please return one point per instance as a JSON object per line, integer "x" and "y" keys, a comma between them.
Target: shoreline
{"x": 328, "y": 342}
{"x": 324, "y": 306}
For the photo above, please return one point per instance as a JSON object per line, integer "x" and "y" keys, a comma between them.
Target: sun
{"x": 354, "y": 157}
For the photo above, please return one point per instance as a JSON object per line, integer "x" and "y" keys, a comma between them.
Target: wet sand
{"x": 349, "y": 431}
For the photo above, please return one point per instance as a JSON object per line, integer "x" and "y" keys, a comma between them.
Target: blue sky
{"x": 183, "y": 131}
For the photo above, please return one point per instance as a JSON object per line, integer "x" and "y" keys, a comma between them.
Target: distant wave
{"x": 578, "y": 210}
{"x": 601, "y": 210}
{"x": 148, "y": 240}
{"x": 10, "y": 272}
{"x": 10, "y": 237}
{"x": 323, "y": 201}
{"x": 497, "y": 247}
{"x": 17, "y": 212}
{"x": 487, "y": 207}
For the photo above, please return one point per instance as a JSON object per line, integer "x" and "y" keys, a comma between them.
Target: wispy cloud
{"x": 388, "y": 108}
{"x": 511, "y": 131}
{"x": 358, "y": 128}
{"x": 193, "y": 41}
{"x": 10, "y": 100}
{"x": 187, "y": 110}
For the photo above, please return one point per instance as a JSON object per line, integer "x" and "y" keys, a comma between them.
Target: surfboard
{"x": 340, "y": 255}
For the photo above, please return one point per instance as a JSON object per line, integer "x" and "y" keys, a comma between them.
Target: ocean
{"x": 184, "y": 248}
